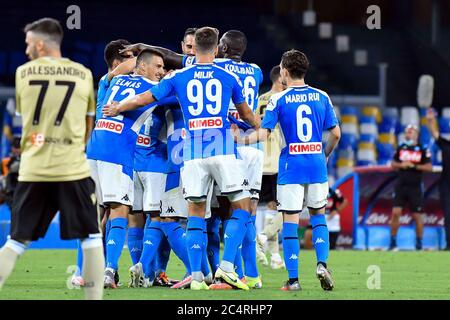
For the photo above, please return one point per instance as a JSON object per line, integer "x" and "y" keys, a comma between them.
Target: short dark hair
{"x": 189, "y": 31}
{"x": 275, "y": 74}
{"x": 206, "y": 39}
{"x": 112, "y": 51}
{"x": 146, "y": 54}
{"x": 47, "y": 26}
{"x": 236, "y": 41}
{"x": 296, "y": 63}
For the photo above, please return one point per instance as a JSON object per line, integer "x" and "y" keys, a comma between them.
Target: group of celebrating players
{"x": 176, "y": 137}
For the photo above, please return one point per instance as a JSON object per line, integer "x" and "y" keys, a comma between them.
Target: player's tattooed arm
{"x": 333, "y": 140}
{"x": 114, "y": 108}
{"x": 172, "y": 60}
{"x": 246, "y": 114}
{"x": 125, "y": 67}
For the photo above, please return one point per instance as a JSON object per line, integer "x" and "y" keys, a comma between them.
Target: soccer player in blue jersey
{"x": 112, "y": 167}
{"x": 118, "y": 63}
{"x": 204, "y": 91}
{"x": 303, "y": 113}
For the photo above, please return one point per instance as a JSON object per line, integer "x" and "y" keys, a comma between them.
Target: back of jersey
{"x": 251, "y": 78}
{"x": 114, "y": 138}
{"x": 303, "y": 114}
{"x": 54, "y": 96}
{"x": 176, "y": 133}
{"x": 204, "y": 92}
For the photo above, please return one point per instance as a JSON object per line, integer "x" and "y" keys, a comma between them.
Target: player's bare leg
{"x": 395, "y": 224}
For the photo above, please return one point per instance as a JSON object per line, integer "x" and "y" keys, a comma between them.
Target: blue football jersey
{"x": 204, "y": 92}
{"x": 150, "y": 154}
{"x": 176, "y": 133}
{"x": 251, "y": 78}
{"x": 103, "y": 86}
{"x": 114, "y": 138}
{"x": 303, "y": 113}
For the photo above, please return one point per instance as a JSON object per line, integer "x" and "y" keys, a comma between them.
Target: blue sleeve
{"x": 237, "y": 94}
{"x": 330, "y": 116}
{"x": 164, "y": 89}
{"x": 270, "y": 119}
{"x": 188, "y": 60}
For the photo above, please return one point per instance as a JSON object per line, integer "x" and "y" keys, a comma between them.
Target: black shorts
{"x": 409, "y": 195}
{"x": 268, "y": 191}
{"x": 35, "y": 205}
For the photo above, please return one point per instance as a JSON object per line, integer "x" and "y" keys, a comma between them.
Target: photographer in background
{"x": 444, "y": 183}
{"x": 10, "y": 171}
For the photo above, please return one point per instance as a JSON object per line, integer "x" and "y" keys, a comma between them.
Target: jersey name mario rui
{"x": 303, "y": 113}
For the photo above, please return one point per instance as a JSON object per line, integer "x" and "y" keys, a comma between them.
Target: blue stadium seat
{"x": 378, "y": 237}
{"x": 369, "y": 138}
{"x": 388, "y": 125}
{"x": 349, "y": 110}
{"x": 386, "y": 152}
{"x": 5, "y": 213}
{"x": 52, "y": 240}
{"x": 430, "y": 238}
{"x": 348, "y": 141}
{"x": 444, "y": 125}
{"x": 406, "y": 238}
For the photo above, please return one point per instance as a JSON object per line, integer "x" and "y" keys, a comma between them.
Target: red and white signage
{"x": 205, "y": 123}
{"x": 143, "y": 141}
{"x": 109, "y": 125}
{"x": 411, "y": 156}
{"x": 305, "y": 148}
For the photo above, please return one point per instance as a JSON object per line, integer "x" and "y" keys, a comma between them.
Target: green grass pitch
{"x": 42, "y": 274}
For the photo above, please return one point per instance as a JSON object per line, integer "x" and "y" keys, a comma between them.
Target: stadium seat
{"x": 373, "y": 112}
{"x": 378, "y": 237}
{"x": 368, "y": 125}
{"x": 386, "y": 152}
{"x": 388, "y": 125}
{"x": 430, "y": 238}
{"x": 390, "y": 112}
{"x": 350, "y": 128}
{"x": 409, "y": 115}
{"x": 388, "y": 138}
{"x": 344, "y": 167}
{"x": 406, "y": 237}
{"x": 348, "y": 141}
{"x": 349, "y": 110}
{"x": 446, "y": 112}
{"x": 366, "y": 154}
{"x": 349, "y": 119}
{"x": 444, "y": 125}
